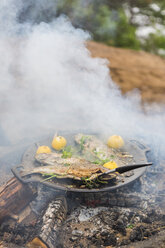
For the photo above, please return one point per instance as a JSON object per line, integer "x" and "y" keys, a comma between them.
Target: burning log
{"x": 14, "y": 196}
{"x": 36, "y": 243}
{"x": 52, "y": 220}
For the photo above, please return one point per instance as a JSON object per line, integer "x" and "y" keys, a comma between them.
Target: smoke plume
{"x": 50, "y": 82}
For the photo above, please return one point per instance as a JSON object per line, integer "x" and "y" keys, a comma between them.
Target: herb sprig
{"x": 83, "y": 139}
{"x": 101, "y": 161}
{"x": 67, "y": 152}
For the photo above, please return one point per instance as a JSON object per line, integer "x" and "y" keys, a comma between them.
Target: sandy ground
{"x": 134, "y": 69}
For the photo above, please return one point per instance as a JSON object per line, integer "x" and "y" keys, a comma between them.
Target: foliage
{"x": 115, "y": 23}
{"x": 105, "y": 25}
{"x": 155, "y": 43}
{"x": 126, "y": 33}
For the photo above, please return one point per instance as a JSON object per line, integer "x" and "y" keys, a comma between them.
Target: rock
{"x": 104, "y": 233}
{"x": 18, "y": 239}
{"x": 137, "y": 234}
{"x": 120, "y": 226}
{"x": 110, "y": 240}
{"x": 73, "y": 238}
{"x": 77, "y": 233}
{"x": 7, "y": 237}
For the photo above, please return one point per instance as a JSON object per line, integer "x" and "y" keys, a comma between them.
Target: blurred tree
{"x": 155, "y": 43}
{"x": 126, "y": 33}
{"x": 105, "y": 25}
{"x": 121, "y": 23}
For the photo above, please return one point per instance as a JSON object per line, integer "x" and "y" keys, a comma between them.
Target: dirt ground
{"x": 134, "y": 69}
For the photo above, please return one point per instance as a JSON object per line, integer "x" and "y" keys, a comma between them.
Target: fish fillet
{"x": 67, "y": 168}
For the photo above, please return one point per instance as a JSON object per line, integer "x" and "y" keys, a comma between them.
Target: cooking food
{"x": 58, "y": 143}
{"x": 115, "y": 141}
{"x": 75, "y": 168}
{"x": 84, "y": 163}
{"x": 43, "y": 149}
{"x": 110, "y": 165}
{"x": 49, "y": 159}
{"x": 100, "y": 152}
{"x": 92, "y": 158}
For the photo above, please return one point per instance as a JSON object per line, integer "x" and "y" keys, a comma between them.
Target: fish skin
{"x": 96, "y": 147}
{"x": 75, "y": 168}
{"x": 51, "y": 158}
{"x": 103, "y": 152}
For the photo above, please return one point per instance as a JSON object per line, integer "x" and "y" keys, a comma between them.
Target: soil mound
{"x": 134, "y": 69}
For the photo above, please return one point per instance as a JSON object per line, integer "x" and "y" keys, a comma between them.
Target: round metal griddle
{"x": 133, "y": 147}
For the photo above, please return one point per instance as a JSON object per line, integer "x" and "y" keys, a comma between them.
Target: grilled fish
{"x": 75, "y": 168}
{"x": 52, "y": 158}
{"x": 90, "y": 143}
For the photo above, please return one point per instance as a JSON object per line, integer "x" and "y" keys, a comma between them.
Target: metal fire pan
{"x": 133, "y": 147}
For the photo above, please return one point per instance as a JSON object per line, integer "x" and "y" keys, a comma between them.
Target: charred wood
{"x": 53, "y": 218}
{"x": 14, "y": 196}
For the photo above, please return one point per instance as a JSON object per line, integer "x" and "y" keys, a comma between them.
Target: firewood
{"x": 14, "y": 196}
{"x": 36, "y": 243}
{"x": 53, "y": 218}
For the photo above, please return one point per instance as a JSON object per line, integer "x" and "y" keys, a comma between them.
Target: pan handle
{"x": 126, "y": 168}
{"x": 17, "y": 175}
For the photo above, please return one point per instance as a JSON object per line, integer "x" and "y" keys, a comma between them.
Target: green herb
{"x": 82, "y": 141}
{"x": 105, "y": 160}
{"x": 101, "y": 180}
{"x": 101, "y": 161}
{"x": 90, "y": 183}
{"x": 66, "y": 164}
{"x": 50, "y": 176}
{"x": 112, "y": 156}
{"x": 93, "y": 183}
{"x": 99, "y": 154}
{"x": 130, "y": 226}
{"x": 67, "y": 152}
{"x": 53, "y": 175}
{"x": 96, "y": 161}
{"x": 47, "y": 174}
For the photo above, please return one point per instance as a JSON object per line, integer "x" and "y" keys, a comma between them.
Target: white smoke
{"x": 49, "y": 81}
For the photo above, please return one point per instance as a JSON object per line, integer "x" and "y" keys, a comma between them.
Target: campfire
{"x": 51, "y": 213}
{"x": 87, "y": 191}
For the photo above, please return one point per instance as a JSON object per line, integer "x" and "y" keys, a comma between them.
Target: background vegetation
{"x": 136, "y": 24}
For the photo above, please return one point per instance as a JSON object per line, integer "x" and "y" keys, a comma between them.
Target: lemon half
{"x": 43, "y": 149}
{"x": 115, "y": 141}
{"x": 110, "y": 165}
{"x": 58, "y": 143}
